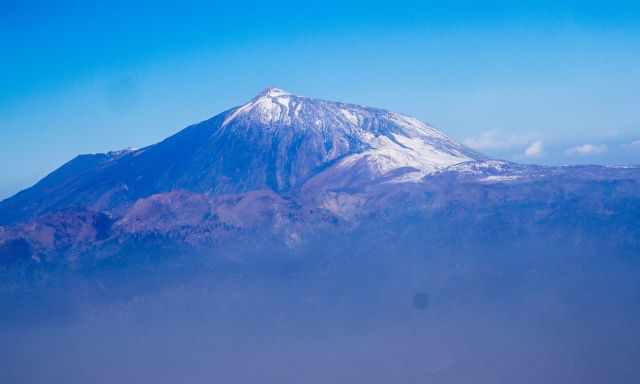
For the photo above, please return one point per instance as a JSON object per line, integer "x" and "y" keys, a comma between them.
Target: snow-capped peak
{"x": 348, "y": 135}
{"x": 269, "y": 106}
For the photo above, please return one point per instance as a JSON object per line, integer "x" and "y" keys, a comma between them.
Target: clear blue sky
{"x": 544, "y": 82}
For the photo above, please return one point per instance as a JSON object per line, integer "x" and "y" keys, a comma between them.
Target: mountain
{"x": 283, "y": 169}
{"x": 276, "y": 141}
{"x": 356, "y": 244}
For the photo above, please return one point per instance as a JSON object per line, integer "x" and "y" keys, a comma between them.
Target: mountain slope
{"x": 276, "y": 141}
{"x": 283, "y": 169}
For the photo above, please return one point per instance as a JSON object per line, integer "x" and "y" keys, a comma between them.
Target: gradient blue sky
{"x": 544, "y": 82}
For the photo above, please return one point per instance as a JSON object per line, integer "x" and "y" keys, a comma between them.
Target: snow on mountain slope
{"x": 378, "y": 140}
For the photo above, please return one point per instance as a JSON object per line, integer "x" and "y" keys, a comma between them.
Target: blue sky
{"x": 549, "y": 82}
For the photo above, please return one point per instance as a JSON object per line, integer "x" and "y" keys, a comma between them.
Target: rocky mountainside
{"x": 284, "y": 169}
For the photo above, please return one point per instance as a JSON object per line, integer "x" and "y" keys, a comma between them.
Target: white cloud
{"x": 493, "y": 139}
{"x": 534, "y": 149}
{"x": 587, "y": 150}
{"x": 635, "y": 144}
